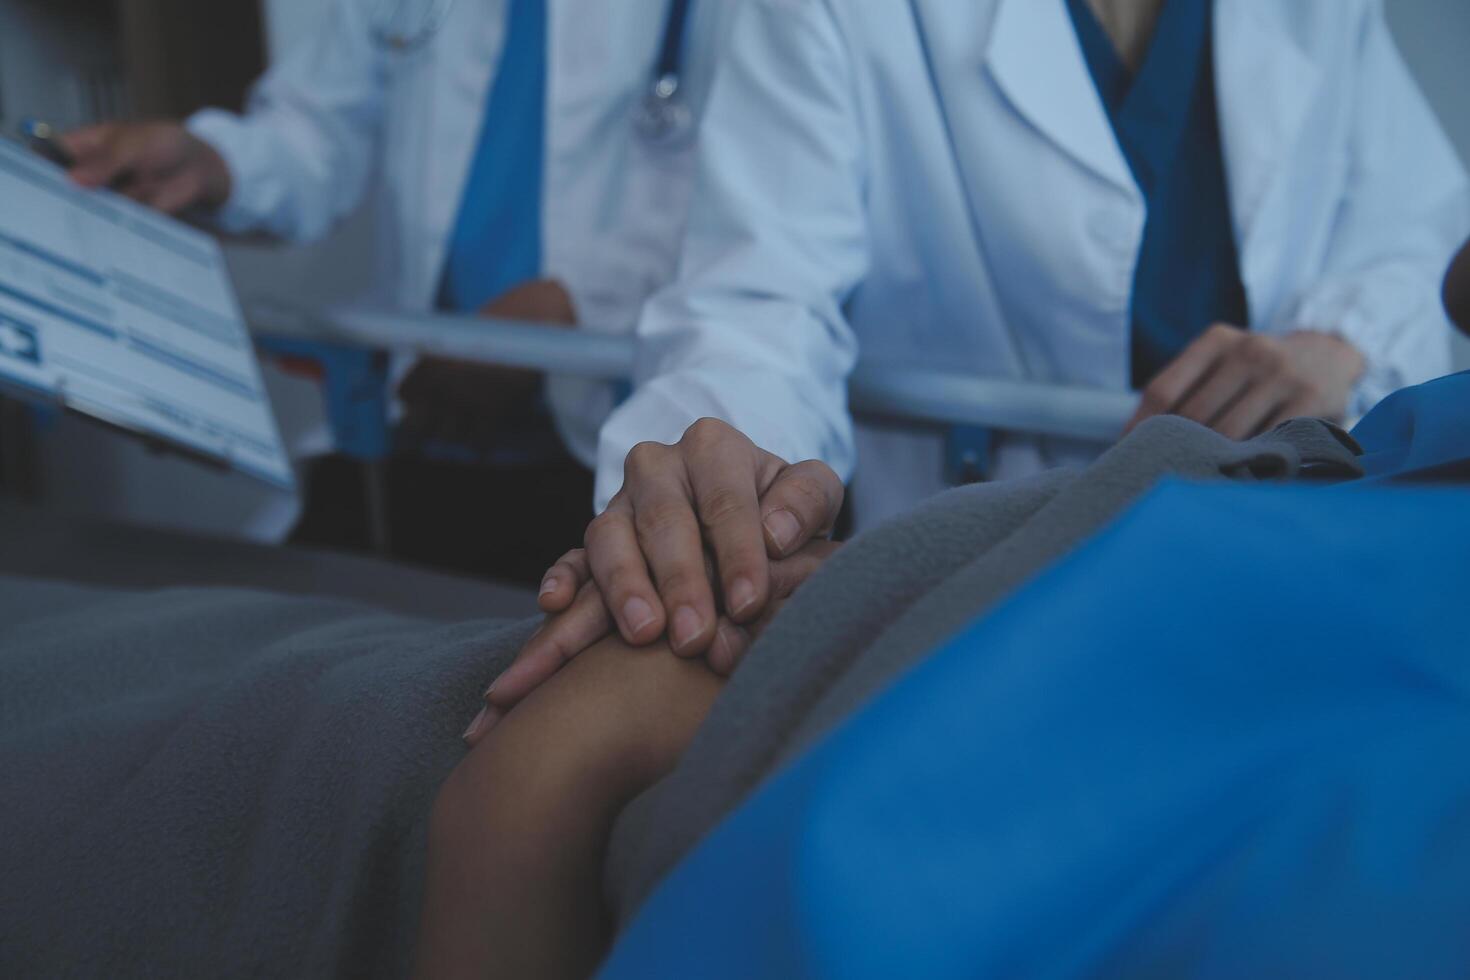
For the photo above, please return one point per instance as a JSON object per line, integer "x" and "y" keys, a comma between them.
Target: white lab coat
{"x": 343, "y": 112}
{"x": 937, "y": 183}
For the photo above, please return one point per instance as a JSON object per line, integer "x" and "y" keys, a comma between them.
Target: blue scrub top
{"x": 496, "y": 242}
{"x": 1166, "y": 122}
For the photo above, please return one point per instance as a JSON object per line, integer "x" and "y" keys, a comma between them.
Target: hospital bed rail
{"x": 913, "y": 394}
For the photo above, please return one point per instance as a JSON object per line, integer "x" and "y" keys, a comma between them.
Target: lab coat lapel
{"x": 953, "y": 40}
{"x": 1034, "y": 56}
{"x": 1265, "y": 83}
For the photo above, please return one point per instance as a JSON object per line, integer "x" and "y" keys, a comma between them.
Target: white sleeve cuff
{"x": 782, "y": 424}
{"x": 238, "y": 142}
{"x": 1394, "y": 321}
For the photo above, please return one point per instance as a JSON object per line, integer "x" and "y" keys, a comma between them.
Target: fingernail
{"x": 730, "y": 639}
{"x": 491, "y": 688}
{"x": 783, "y": 528}
{"x": 742, "y": 596}
{"x": 549, "y": 584}
{"x": 477, "y": 724}
{"x": 687, "y": 627}
{"x": 487, "y": 719}
{"x": 637, "y": 614}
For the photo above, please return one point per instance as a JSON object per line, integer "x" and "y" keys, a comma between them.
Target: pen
{"x": 43, "y": 139}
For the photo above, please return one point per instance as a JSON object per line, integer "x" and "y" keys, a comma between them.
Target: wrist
{"x": 1331, "y": 364}
{"x": 216, "y": 180}
{"x": 1330, "y": 349}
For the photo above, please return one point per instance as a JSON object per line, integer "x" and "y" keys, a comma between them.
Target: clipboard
{"x": 128, "y": 318}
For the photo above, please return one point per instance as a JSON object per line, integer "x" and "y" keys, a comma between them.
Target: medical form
{"x": 121, "y": 314}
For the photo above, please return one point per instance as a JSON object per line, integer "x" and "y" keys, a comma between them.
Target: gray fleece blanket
{"x": 221, "y": 783}
{"x": 896, "y": 593}
{"x": 231, "y": 783}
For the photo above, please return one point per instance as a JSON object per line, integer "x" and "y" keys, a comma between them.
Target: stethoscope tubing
{"x": 662, "y": 118}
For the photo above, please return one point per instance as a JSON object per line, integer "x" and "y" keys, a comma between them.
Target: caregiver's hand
{"x": 586, "y": 621}
{"x": 1241, "y": 383}
{"x": 160, "y": 164}
{"x": 465, "y": 403}
{"x": 714, "y": 489}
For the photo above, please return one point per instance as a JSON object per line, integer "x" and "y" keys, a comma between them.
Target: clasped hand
{"x": 702, "y": 545}
{"x": 1242, "y": 383}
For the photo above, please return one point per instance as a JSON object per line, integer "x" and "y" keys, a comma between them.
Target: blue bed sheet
{"x": 1226, "y": 737}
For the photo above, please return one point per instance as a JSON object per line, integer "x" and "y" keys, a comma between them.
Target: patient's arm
{"x": 518, "y": 831}
{"x": 586, "y": 621}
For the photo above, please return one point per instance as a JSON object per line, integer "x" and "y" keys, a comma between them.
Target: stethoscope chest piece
{"x": 402, "y": 26}
{"x": 663, "y": 117}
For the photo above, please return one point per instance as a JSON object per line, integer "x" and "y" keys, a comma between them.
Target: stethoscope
{"x": 662, "y": 117}
{"x": 395, "y": 27}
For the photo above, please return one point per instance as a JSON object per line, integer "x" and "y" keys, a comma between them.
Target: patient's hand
{"x": 586, "y": 621}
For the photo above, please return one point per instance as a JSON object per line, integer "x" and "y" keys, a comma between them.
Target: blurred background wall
{"x": 77, "y": 60}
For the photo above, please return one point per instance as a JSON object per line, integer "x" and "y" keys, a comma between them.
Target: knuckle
{"x": 1262, "y": 353}
{"x": 643, "y": 458}
{"x": 563, "y": 640}
{"x": 682, "y": 584}
{"x": 1154, "y": 401}
{"x": 600, "y": 527}
{"x": 657, "y": 517}
{"x": 810, "y": 494}
{"x": 705, "y": 433}
{"x": 720, "y": 505}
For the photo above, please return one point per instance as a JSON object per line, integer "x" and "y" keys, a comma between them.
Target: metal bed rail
{"x": 905, "y": 393}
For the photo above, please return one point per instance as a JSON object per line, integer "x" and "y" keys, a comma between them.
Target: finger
{"x": 789, "y": 574}
{"x": 175, "y": 194}
{"x": 1249, "y": 415}
{"x": 729, "y": 647}
{"x": 725, "y": 490}
{"x": 109, "y": 163}
{"x": 1179, "y": 378}
{"x": 802, "y": 504}
{"x": 1217, "y": 392}
{"x": 563, "y": 580}
{"x": 621, "y": 573}
{"x": 670, "y": 538}
{"x": 547, "y": 651}
{"x": 82, "y": 143}
{"x": 136, "y": 190}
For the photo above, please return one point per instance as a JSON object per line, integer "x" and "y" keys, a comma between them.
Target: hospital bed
{"x": 350, "y": 347}
{"x": 1282, "y": 800}
{"x": 900, "y": 393}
